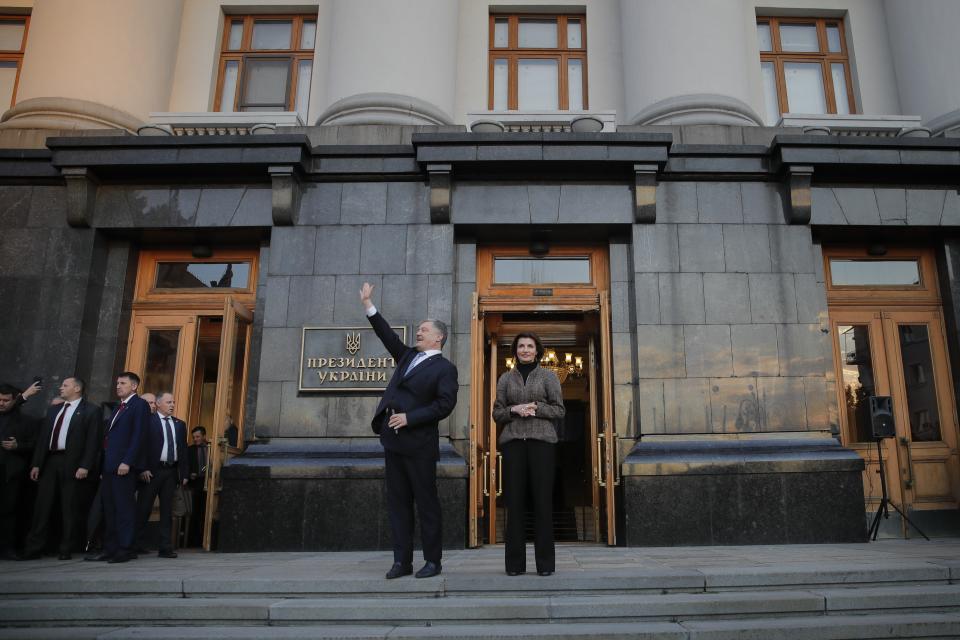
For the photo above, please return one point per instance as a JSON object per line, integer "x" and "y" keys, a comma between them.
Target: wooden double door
{"x": 191, "y": 336}
{"x": 889, "y": 340}
{"x": 570, "y": 318}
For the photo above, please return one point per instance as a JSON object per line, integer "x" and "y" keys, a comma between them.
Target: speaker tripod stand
{"x": 885, "y": 500}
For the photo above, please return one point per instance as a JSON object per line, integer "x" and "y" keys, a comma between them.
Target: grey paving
{"x": 907, "y": 587}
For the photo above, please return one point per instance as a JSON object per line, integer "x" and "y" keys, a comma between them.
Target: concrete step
{"x": 927, "y": 626}
{"x": 150, "y": 577}
{"x": 481, "y": 609}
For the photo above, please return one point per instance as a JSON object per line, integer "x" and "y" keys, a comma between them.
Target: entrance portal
{"x": 559, "y": 297}
{"x": 889, "y": 340}
{"x": 190, "y": 335}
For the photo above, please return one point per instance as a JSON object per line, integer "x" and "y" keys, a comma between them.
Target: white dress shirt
{"x": 67, "y": 411}
{"x": 163, "y": 430}
{"x": 417, "y": 359}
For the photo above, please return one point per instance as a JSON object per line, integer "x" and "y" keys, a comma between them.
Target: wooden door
{"x": 596, "y": 431}
{"x": 902, "y": 354}
{"x": 924, "y": 409}
{"x": 231, "y": 391}
{"x": 608, "y": 463}
{"x": 162, "y": 350}
{"x": 478, "y": 447}
{"x": 860, "y": 360}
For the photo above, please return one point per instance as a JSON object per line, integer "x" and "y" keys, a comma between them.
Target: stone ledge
{"x": 710, "y": 457}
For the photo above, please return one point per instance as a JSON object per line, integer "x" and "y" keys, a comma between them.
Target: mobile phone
{"x": 37, "y": 379}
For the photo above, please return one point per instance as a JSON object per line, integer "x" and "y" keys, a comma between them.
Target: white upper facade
{"x": 116, "y": 62}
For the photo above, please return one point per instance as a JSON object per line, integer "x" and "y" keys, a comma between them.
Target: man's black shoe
{"x": 429, "y": 570}
{"x": 544, "y": 573}
{"x": 64, "y": 556}
{"x": 9, "y": 554}
{"x": 122, "y": 557}
{"x": 36, "y": 555}
{"x": 97, "y": 557}
{"x": 398, "y": 570}
{"x": 514, "y": 573}
{"x": 166, "y": 554}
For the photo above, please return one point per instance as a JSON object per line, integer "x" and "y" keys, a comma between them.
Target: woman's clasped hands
{"x": 527, "y": 410}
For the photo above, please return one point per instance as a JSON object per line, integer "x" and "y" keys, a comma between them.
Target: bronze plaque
{"x": 345, "y": 359}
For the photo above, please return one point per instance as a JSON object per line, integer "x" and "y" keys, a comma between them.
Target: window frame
{"x": 824, "y": 57}
{"x": 513, "y": 53}
{"x": 294, "y": 55}
{"x": 16, "y": 55}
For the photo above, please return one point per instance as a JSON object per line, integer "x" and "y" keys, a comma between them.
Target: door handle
{"x": 616, "y": 463}
{"x": 600, "y": 461}
{"x": 906, "y": 443}
{"x": 486, "y": 474}
{"x": 499, "y": 474}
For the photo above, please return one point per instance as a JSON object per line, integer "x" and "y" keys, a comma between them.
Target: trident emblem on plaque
{"x": 353, "y": 343}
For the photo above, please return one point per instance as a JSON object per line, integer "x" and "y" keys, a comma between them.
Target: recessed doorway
{"x": 190, "y": 334}
{"x": 562, "y": 296}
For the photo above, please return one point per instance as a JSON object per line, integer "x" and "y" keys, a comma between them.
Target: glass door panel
{"x": 861, "y": 371}
{"x": 924, "y": 409}
{"x": 162, "y": 352}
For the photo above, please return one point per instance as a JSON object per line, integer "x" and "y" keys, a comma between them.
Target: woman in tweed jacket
{"x": 528, "y": 400}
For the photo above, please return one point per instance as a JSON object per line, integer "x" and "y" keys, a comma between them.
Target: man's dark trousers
{"x": 162, "y": 484}
{"x": 57, "y": 477}
{"x": 412, "y": 480}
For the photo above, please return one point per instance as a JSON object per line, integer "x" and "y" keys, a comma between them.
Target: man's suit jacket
{"x": 427, "y": 396}
{"x": 197, "y": 459}
{"x": 153, "y": 445}
{"x": 124, "y": 437}
{"x": 83, "y": 433}
{"x": 13, "y": 424}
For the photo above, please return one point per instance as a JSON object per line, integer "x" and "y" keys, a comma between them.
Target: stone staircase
{"x": 228, "y": 596}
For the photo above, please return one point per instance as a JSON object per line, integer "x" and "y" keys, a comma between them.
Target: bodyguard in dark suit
{"x": 17, "y": 433}
{"x": 63, "y": 457}
{"x": 121, "y": 453}
{"x": 165, "y": 453}
{"x": 421, "y": 393}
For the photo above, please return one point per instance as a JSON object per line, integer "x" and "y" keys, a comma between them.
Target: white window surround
{"x": 211, "y": 123}
{"x": 542, "y": 121}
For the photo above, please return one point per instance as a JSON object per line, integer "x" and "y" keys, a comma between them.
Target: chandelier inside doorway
{"x": 570, "y": 366}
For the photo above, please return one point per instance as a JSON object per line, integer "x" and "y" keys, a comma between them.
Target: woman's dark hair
{"x": 532, "y": 336}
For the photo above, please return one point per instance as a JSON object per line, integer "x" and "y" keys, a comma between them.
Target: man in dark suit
{"x": 165, "y": 450}
{"x": 121, "y": 453}
{"x": 17, "y": 433}
{"x": 63, "y": 457}
{"x": 197, "y": 455}
{"x": 421, "y": 393}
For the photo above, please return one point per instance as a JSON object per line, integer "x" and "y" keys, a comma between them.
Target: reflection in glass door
{"x": 161, "y": 352}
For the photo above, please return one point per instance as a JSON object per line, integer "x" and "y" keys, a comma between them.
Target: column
{"x": 391, "y": 62}
{"x": 925, "y": 49}
{"x": 687, "y": 62}
{"x": 96, "y": 64}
